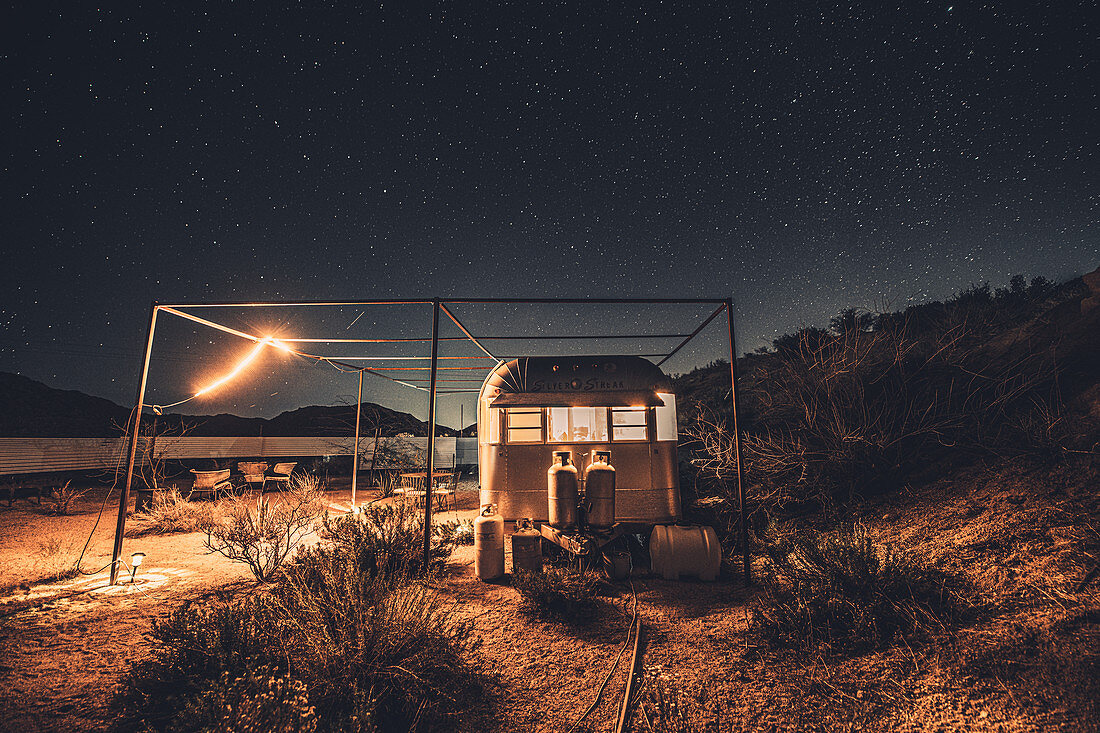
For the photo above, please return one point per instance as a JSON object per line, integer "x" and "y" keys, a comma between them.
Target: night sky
{"x": 799, "y": 157}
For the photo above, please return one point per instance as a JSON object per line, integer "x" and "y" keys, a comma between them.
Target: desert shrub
{"x": 373, "y": 651}
{"x": 62, "y": 498}
{"x": 385, "y": 540}
{"x": 833, "y": 414}
{"x": 262, "y": 535}
{"x": 841, "y": 592}
{"x": 561, "y": 593}
{"x": 343, "y": 639}
{"x": 256, "y": 701}
{"x": 170, "y": 512}
{"x": 461, "y": 531}
{"x": 464, "y": 532}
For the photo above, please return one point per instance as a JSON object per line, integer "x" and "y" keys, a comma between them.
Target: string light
{"x": 248, "y": 359}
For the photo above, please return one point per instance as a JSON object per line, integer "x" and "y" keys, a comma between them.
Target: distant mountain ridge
{"x": 29, "y": 408}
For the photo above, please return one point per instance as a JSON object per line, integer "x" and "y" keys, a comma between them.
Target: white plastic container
{"x": 678, "y": 550}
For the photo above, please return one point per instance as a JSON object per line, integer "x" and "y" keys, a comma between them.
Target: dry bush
{"x": 64, "y": 497}
{"x": 385, "y": 541}
{"x": 665, "y": 708}
{"x": 254, "y": 701}
{"x": 562, "y": 593}
{"x": 835, "y": 414}
{"x": 841, "y": 592}
{"x": 263, "y": 534}
{"x": 171, "y": 513}
{"x": 57, "y": 558}
{"x": 333, "y": 641}
{"x": 375, "y": 651}
{"x": 462, "y": 531}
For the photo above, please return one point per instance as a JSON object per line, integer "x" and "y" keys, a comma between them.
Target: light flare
{"x": 248, "y": 359}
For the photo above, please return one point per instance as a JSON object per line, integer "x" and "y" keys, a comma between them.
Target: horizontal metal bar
{"x": 424, "y": 368}
{"x": 295, "y": 303}
{"x": 604, "y": 301}
{"x": 445, "y": 301}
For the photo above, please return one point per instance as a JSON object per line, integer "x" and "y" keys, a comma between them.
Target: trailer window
{"x": 666, "y": 417}
{"x": 577, "y": 424}
{"x": 524, "y": 425}
{"x": 628, "y": 423}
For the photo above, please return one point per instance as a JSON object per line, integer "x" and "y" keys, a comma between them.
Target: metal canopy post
{"x": 744, "y": 529}
{"x": 124, "y": 499}
{"x": 355, "y": 448}
{"x": 431, "y": 437}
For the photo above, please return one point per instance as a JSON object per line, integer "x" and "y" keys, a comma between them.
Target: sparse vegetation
{"x": 562, "y": 593}
{"x": 262, "y": 535}
{"x": 664, "y": 708}
{"x": 347, "y": 638}
{"x": 832, "y": 414}
{"x": 386, "y": 541}
{"x": 841, "y": 592}
{"x": 63, "y": 498}
{"x": 171, "y": 513}
{"x": 463, "y": 531}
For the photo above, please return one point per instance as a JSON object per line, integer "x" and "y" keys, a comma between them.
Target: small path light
{"x": 135, "y": 562}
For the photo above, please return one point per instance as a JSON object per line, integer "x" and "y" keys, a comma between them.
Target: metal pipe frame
{"x": 355, "y": 449}
{"x": 742, "y": 509}
{"x": 433, "y": 389}
{"x": 431, "y": 440}
{"x": 124, "y": 498}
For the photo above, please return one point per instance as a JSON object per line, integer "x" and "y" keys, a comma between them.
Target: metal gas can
{"x": 526, "y": 547}
{"x": 599, "y": 491}
{"x": 489, "y": 543}
{"x": 561, "y": 488}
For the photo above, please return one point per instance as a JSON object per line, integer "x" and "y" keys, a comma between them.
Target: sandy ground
{"x": 65, "y": 645}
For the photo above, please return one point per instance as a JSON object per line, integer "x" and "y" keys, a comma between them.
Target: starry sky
{"x": 799, "y": 157}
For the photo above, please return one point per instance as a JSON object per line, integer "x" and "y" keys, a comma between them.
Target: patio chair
{"x": 445, "y": 489}
{"x": 208, "y": 484}
{"x": 252, "y": 472}
{"x": 411, "y": 487}
{"x": 280, "y": 473}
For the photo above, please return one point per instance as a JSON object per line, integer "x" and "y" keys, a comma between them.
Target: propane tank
{"x": 561, "y": 488}
{"x": 599, "y": 491}
{"x": 489, "y": 543}
{"x": 526, "y": 547}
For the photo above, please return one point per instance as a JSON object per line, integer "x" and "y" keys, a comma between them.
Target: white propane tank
{"x": 599, "y": 491}
{"x": 526, "y": 547}
{"x": 692, "y": 549}
{"x": 489, "y": 543}
{"x": 561, "y": 487}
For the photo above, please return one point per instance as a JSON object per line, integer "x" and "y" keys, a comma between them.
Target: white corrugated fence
{"x": 43, "y": 455}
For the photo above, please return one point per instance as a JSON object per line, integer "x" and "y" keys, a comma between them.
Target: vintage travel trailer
{"x": 528, "y": 408}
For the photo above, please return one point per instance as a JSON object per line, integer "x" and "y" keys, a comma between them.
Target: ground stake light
{"x": 135, "y": 562}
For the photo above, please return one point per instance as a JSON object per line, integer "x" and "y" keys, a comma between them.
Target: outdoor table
{"x": 413, "y": 484}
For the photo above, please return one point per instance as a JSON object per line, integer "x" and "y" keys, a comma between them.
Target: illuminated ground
{"x": 1018, "y": 540}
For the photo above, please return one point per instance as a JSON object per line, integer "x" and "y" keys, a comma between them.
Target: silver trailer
{"x": 530, "y": 407}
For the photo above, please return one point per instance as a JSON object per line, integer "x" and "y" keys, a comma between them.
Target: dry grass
{"x": 562, "y": 593}
{"x": 172, "y": 513}
{"x": 840, "y": 592}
